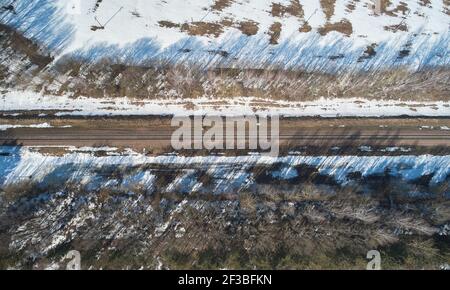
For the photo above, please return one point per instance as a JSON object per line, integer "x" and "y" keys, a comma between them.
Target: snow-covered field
{"x": 22, "y": 164}
{"x": 343, "y": 36}
{"x": 294, "y": 58}
{"x": 65, "y": 105}
{"x": 411, "y": 33}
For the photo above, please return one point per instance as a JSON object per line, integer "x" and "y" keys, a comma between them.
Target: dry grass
{"x": 398, "y": 27}
{"x": 351, "y": 6}
{"x": 328, "y": 7}
{"x": 248, "y": 202}
{"x": 294, "y": 9}
{"x": 156, "y": 80}
{"x": 344, "y": 26}
{"x": 105, "y": 79}
{"x": 219, "y": 5}
{"x": 275, "y": 32}
{"x": 447, "y": 7}
{"x": 168, "y": 24}
{"x": 202, "y": 28}
{"x": 270, "y": 226}
{"x": 215, "y": 29}
{"x": 248, "y": 28}
{"x": 402, "y": 8}
{"x": 24, "y": 46}
{"x": 305, "y": 28}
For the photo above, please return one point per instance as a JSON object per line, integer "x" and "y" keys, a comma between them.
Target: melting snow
{"x": 6, "y": 127}
{"x": 66, "y": 105}
{"x": 16, "y": 163}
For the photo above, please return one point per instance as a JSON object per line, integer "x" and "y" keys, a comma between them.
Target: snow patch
{"x": 324, "y": 107}
{"x": 19, "y": 164}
